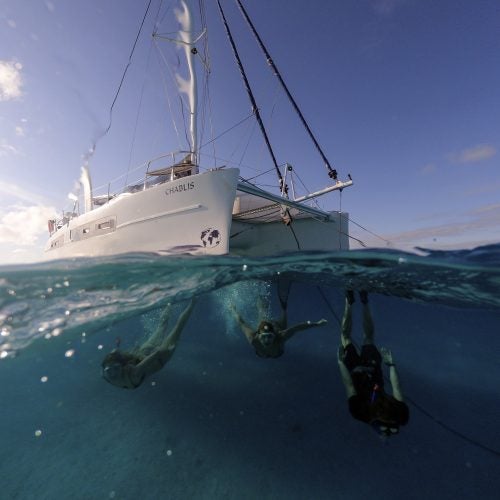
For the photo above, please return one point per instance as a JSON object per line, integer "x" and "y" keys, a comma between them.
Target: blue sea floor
{"x": 220, "y": 423}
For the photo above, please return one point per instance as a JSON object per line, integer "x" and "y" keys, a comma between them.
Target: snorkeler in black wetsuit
{"x": 129, "y": 369}
{"x": 363, "y": 378}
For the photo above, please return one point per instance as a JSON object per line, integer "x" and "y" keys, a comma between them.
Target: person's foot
{"x": 349, "y": 295}
{"x": 363, "y": 296}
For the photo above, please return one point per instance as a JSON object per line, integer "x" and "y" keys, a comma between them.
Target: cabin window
{"x": 103, "y": 226}
{"x": 86, "y": 230}
{"x": 109, "y": 224}
{"x": 57, "y": 243}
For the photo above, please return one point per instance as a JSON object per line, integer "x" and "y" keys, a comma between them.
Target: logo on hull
{"x": 210, "y": 237}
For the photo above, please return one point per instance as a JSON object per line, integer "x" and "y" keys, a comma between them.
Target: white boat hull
{"x": 187, "y": 215}
{"x": 255, "y": 239}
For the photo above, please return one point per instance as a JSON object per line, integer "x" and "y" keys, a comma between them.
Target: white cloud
{"x": 50, "y": 6}
{"x": 474, "y": 154}
{"x": 6, "y": 149}
{"x": 19, "y": 131}
{"x": 12, "y": 23}
{"x": 23, "y": 225}
{"x": 10, "y": 80}
{"x": 18, "y": 193}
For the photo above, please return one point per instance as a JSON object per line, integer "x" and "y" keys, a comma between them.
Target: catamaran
{"x": 180, "y": 206}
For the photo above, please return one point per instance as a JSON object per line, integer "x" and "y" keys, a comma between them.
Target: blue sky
{"x": 402, "y": 94}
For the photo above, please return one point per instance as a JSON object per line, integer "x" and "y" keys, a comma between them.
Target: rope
{"x": 122, "y": 80}
{"x": 368, "y": 231}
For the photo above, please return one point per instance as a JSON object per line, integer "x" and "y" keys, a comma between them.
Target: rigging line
{"x": 294, "y": 235}
{"x": 420, "y": 408}
{"x": 167, "y": 11}
{"x": 125, "y": 72}
{"x": 362, "y": 243}
{"x": 368, "y": 231}
{"x": 331, "y": 172}
{"x": 220, "y": 158}
{"x": 250, "y": 94}
{"x": 248, "y": 179}
{"x": 314, "y": 200}
{"x": 226, "y": 131}
{"x": 159, "y": 54}
{"x": 240, "y": 142}
{"x": 148, "y": 61}
{"x": 207, "y": 64}
{"x": 245, "y": 149}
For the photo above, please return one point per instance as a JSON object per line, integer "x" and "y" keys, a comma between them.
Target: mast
{"x": 87, "y": 189}
{"x": 189, "y": 85}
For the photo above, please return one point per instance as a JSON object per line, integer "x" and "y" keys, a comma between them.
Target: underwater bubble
{"x": 38, "y": 433}
{"x": 169, "y": 453}
{"x": 44, "y": 379}
{"x": 69, "y": 353}
{"x": 245, "y": 267}
{"x": 3, "y": 354}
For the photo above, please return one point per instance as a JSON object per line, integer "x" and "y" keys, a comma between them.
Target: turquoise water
{"x": 219, "y": 422}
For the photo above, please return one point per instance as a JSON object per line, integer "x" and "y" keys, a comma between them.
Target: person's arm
{"x": 345, "y": 375}
{"x": 393, "y": 374}
{"x": 157, "y": 359}
{"x": 174, "y": 335}
{"x": 249, "y": 333}
{"x": 290, "y": 332}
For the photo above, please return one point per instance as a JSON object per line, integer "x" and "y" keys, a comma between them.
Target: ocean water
{"x": 217, "y": 422}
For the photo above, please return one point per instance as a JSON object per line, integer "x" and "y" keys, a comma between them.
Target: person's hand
{"x": 386, "y": 356}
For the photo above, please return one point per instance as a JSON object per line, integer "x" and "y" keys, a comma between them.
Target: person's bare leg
{"x": 283, "y": 293}
{"x": 368, "y": 327}
{"x": 346, "y": 326}
{"x": 161, "y": 330}
{"x": 174, "y": 335}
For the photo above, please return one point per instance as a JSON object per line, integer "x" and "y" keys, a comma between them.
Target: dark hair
{"x": 263, "y": 324}
{"x": 121, "y": 357}
{"x": 382, "y": 409}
